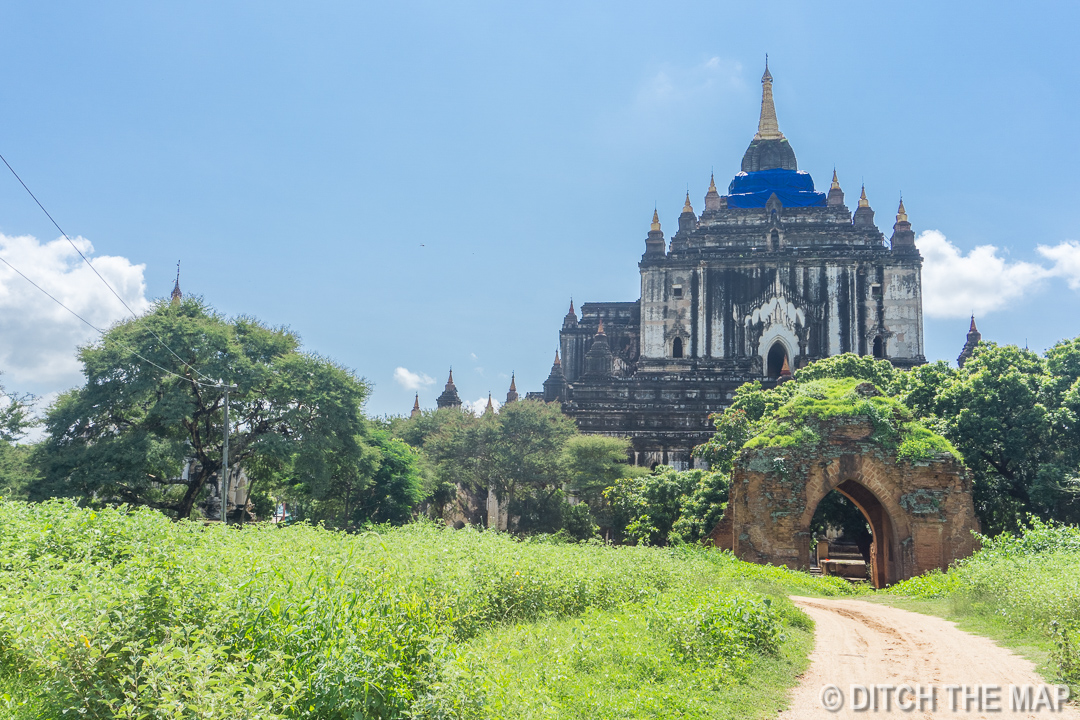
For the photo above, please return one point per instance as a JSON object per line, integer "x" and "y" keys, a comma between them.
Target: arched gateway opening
{"x": 920, "y": 515}
{"x": 851, "y": 516}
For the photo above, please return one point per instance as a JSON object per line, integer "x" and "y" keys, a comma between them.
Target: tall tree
{"x": 127, "y": 435}
{"x": 17, "y": 468}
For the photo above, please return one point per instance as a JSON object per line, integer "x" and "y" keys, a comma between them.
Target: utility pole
{"x": 225, "y": 465}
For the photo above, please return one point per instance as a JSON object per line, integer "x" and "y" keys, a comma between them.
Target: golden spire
{"x": 901, "y": 213}
{"x": 655, "y": 221}
{"x": 768, "y": 128}
{"x": 863, "y": 202}
{"x": 177, "y": 296}
{"x": 786, "y": 370}
{"x": 712, "y": 183}
{"x": 687, "y": 207}
{"x": 835, "y": 181}
{"x": 557, "y": 360}
{"x": 600, "y": 330}
{"x": 513, "y": 385}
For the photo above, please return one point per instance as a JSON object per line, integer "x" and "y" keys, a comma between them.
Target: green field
{"x": 126, "y": 614}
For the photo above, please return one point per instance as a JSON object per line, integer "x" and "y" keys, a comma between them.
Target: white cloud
{"x": 38, "y": 338}
{"x": 1066, "y": 257}
{"x": 412, "y": 381}
{"x": 675, "y": 84}
{"x": 477, "y": 407}
{"x": 956, "y": 285}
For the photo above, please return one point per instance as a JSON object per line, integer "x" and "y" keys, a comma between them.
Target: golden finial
{"x": 901, "y": 213}
{"x": 557, "y": 360}
{"x": 863, "y": 202}
{"x": 835, "y": 181}
{"x": 655, "y": 221}
{"x": 712, "y": 182}
{"x": 687, "y": 207}
{"x": 768, "y": 128}
{"x": 177, "y": 296}
{"x": 600, "y": 330}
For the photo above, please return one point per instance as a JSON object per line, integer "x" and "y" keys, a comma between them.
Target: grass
{"x": 1022, "y": 591}
{"x": 125, "y": 614}
{"x": 797, "y": 423}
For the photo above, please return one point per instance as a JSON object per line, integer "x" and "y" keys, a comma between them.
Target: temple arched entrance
{"x": 777, "y": 355}
{"x": 882, "y": 542}
{"x": 921, "y": 515}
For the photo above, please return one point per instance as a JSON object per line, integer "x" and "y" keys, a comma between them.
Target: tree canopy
{"x": 139, "y": 435}
{"x": 17, "y": 469}
{"x": 1009, "y": 413}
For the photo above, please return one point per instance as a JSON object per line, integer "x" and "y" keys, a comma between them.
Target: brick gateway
{"x": 921, "y": 514}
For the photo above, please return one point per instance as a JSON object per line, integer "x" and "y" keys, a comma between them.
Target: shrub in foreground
{"x": 125, "y": 614}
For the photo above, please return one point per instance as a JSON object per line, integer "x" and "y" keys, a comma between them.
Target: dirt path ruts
{"x": 862, "y": 643}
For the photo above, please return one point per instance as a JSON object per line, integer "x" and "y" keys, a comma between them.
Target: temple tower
{"x": 449, "y": 397}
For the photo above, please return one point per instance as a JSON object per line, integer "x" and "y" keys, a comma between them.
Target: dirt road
{"x": 866, "y": 644}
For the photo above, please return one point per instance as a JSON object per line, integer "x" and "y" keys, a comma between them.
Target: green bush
{"x": 125, "y": 614}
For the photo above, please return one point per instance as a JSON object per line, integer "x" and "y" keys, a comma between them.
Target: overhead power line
{"x": 102, "y": 332}
{"x": 106, "y": 282}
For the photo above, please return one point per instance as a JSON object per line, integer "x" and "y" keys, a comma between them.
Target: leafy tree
{"x": 126, "y": 435}
{"x": 594, "y": 462}
{"x": 993, "y": 412}
{"x": 17, "y": 465}
{"x": 396, "y": 486}
{"x": 703, "y": 507}
{"x": 667, "y": 505}
{"x": 516, "y": 454}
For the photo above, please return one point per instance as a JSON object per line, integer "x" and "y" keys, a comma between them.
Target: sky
{"x": 411, "y": 186}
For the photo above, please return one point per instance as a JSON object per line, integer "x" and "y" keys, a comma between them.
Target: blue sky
{"x": 419, "y": 185}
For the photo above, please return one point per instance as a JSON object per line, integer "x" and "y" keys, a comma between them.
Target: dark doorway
{"x": 676, "y": 348}
{"x": 843, "y": 536}
{"x": 774, "y": 240}
{"x": 879, "y": 348}
{"x": 775, "y": 361}
{"x": 865, "y": 524}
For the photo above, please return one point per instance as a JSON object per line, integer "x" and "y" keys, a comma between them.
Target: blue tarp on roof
{"x": 753, "y": 190}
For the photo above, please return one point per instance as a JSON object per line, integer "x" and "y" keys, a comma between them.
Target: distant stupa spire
{"x": 177, "y": 296}
{"x": 655, "y": 221}
{"x": 863, "y": 202}
{"x": 835, "y": 181}
{"x": 901, "y": 213}
{"x": 687, "y": 207}
{"x": 768, "y": 128}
